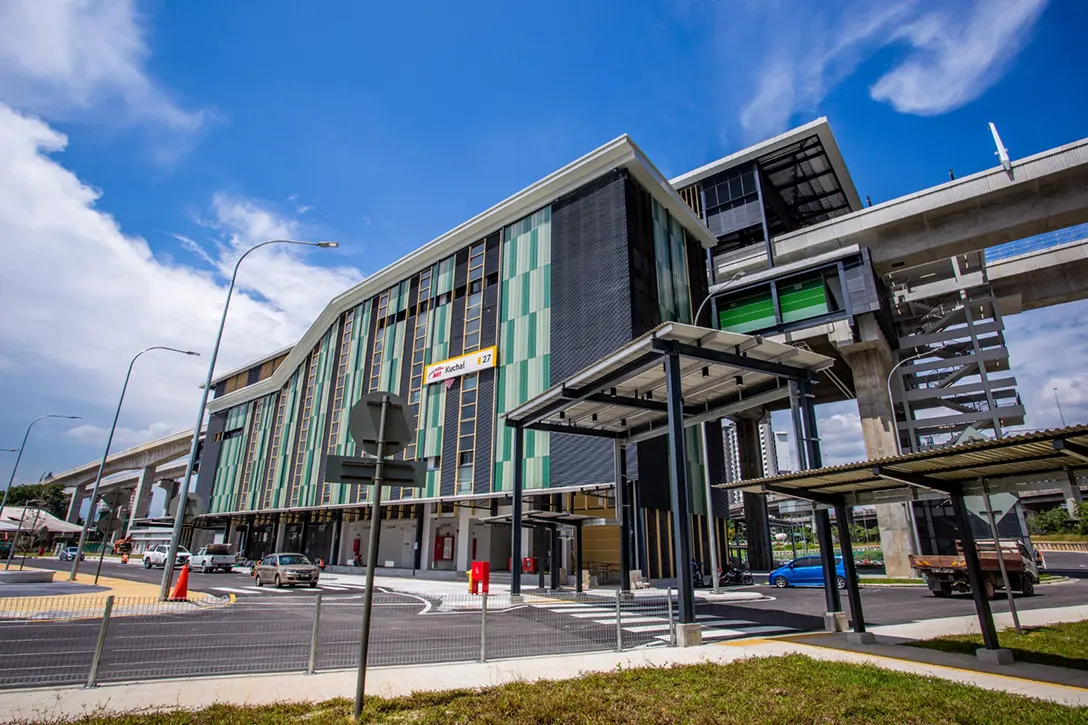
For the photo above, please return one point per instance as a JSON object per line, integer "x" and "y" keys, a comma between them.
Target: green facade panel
{"x": 525, "y": 343}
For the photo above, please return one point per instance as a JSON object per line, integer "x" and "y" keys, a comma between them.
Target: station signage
{"x": 455, "y": 367}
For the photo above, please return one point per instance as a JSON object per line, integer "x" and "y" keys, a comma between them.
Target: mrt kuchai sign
{"x": 455, "y": 367}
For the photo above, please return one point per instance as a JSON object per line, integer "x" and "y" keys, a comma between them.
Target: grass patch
{"x": 1063, "y": 645}
{"x": 1060, "y": 538}
{"x": 793, "y": 690}
{"x": 890, "y": 580}
{"x": 1043, "y": 578}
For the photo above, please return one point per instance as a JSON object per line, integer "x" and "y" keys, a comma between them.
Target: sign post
{"x": 381, "y": 424}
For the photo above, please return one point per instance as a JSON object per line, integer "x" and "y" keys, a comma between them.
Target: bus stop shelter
{"x": 674, "y": 377}
{"x": 1016, "y": 464}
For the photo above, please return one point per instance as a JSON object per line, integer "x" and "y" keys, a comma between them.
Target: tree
{"x": 52, "y": 497}
{"x": 1054, "y": 521}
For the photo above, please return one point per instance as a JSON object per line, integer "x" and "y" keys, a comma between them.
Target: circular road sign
{"x": 365, "y": 418}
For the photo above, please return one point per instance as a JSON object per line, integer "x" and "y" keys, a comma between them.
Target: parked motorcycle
{"x": 733, "y": 575}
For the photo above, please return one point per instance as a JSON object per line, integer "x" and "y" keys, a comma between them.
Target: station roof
{"x": 803, "y": 164}
{"x": 1016, "y": 464}
{"x": 546, "y": 518}
{"x": 623, "y": 396}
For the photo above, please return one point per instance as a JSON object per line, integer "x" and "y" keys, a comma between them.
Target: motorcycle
{"x": 734, "y": 575}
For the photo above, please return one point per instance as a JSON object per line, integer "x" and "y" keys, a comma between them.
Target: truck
{"x": 157, "y": 555}
{"x": 213, "y": 557}
{"x": 946, "y": 574}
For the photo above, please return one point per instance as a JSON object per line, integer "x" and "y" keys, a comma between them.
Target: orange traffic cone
{"x": 181, "y": 589}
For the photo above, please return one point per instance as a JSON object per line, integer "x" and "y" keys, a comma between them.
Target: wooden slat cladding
{"x": 693, "y": 197}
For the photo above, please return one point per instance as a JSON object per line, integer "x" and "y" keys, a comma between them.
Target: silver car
{"x": 281, "y": 569}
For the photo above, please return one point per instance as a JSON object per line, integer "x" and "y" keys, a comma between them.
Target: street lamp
{"x": 1059, "y": 406}
{"x": 716, "y": 290}
{"x": 19, "y": 457}
{"x": 898, "y": 450}
{"x": 105, "y": 454}
{"x": 183, "y": 491}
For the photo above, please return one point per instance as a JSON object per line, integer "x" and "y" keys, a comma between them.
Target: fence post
{"x": 672, "y": 622}
{"x": 100, "y": 645}
{"x": 313, "y": 638}
{"x": 483, "y": 629}
{"x": 619, "y": 623}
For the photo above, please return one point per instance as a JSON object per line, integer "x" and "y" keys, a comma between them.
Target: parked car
{"x": 807, "y": 571}
{"x": 156, "y": 556}
{"x": 213, "y": 557}
{"x": 68, "y": 553}
{"x": 281, "y": 569}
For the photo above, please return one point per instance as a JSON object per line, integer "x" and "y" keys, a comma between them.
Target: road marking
{"x": 230, "y": 590}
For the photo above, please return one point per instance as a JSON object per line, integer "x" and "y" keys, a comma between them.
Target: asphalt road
{"x": 267, "y": 632}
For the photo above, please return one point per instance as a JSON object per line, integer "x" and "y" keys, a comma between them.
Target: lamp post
{"x": 898, "y": 451}
{"x": 1056, "y": 400}
{"x": 183, "y": 491}
{"x": 716, "y": 290}
{"x": 106, "y": 453}
{"x": 19, "y": 457}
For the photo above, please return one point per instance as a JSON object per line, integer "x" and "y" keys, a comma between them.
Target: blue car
{"x": 808, "y": 571}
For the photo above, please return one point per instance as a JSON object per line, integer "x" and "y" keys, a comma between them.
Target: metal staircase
{"x": 958, "y": 379}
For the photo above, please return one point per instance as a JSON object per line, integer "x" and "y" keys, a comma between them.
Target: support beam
{"x": 578, "y": 557}
{"x": 853, "y": 589}
{"x": 572, "y": 429}
{"x": 916, "y": 480}
{"x": 974, "y": 574}
{"x": 623, "y": 514}
{"x": 1075, "y": 451}
{"x": 827, "y": 558}
{"x": 678, "y": 489}
{"x": 567, "y": 395}
{"x": 417, "y": 551}
{"x": 517, "y": 454}
{"x": 828, "y": 499}
{"x": 742, "y": 362}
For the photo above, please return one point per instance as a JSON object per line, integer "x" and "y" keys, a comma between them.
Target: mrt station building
{"x": 472, "y": 325}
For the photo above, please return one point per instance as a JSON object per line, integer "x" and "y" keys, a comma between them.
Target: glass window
{"x": 469, "y": 396}
{"x": 468, "y": 382}
{"x": 464, "y": 474}
{"x": 433, "y": 463}
{"x": 472, "y": 326}
{"x": 465, "y": 458}
{"x": 468, "y": 427}
{"x": 472, "y": 340}
{"x": 468, "y": 412}
{"x": 413, "y": 397}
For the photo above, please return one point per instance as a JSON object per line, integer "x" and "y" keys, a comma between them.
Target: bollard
{"x": 619, "y": 623}
{"x": 100, "y": 645}
{"x": 672, "y": 622}
{"x": 483, "y": 629}
{"x": 313, "y": 638}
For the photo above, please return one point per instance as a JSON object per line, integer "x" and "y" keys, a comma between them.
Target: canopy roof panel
{"x": 623, "y": 395}
{"x": 1016, "y": 463}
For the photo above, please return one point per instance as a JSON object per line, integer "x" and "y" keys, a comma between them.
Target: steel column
{"x": 517, "y": 451}
{"x": 827, "y": 558}
{"x": 974, "y": 573}
{"x": 623, "y": 513}
{"x": 678, "y": 488}
{"x": 853, "y": 589}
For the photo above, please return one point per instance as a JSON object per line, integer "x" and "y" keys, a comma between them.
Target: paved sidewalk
{"x": 83, "y": 598}
{"x": 1049, "y": 683}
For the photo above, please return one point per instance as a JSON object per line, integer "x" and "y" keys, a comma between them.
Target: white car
{"x": 214, "y": 557}
{"x": 156, "y": 556}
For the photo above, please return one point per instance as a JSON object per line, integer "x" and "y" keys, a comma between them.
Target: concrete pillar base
{"x": 517, "y": 599}
{"x": 627, "y": 596}
{"x": 689, "y": 635}
{"x": 836, "y": 622}
{"x": 994, "y": 656}
{"x": 861, "y": 638}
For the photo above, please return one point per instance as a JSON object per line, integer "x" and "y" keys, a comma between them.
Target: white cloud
{"x": 1046, "y": 349}
{"x": 954, "y": 52}
{"x": 96, "y": 435}
{"x": 82, "y": 296}
{"x": 65, "y": 58}
{"x": 956, "y": 56}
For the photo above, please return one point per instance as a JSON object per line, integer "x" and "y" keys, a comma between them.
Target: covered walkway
{"x": 673, "y": 377}
{"x": 1017, "y": 464}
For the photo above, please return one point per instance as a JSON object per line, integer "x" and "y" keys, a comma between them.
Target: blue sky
{"x": 146, "y": 143}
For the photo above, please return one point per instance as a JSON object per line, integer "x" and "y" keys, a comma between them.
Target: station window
{"x": 466, "y": 434}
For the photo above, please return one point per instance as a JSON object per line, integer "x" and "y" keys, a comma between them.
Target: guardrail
{"x": 1037, "y": 243}
{"x": 95, "y": 640}
{"x": 1060, "y": 545}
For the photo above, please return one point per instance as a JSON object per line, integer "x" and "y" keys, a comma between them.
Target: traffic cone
{"x": 181, "y": 589}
